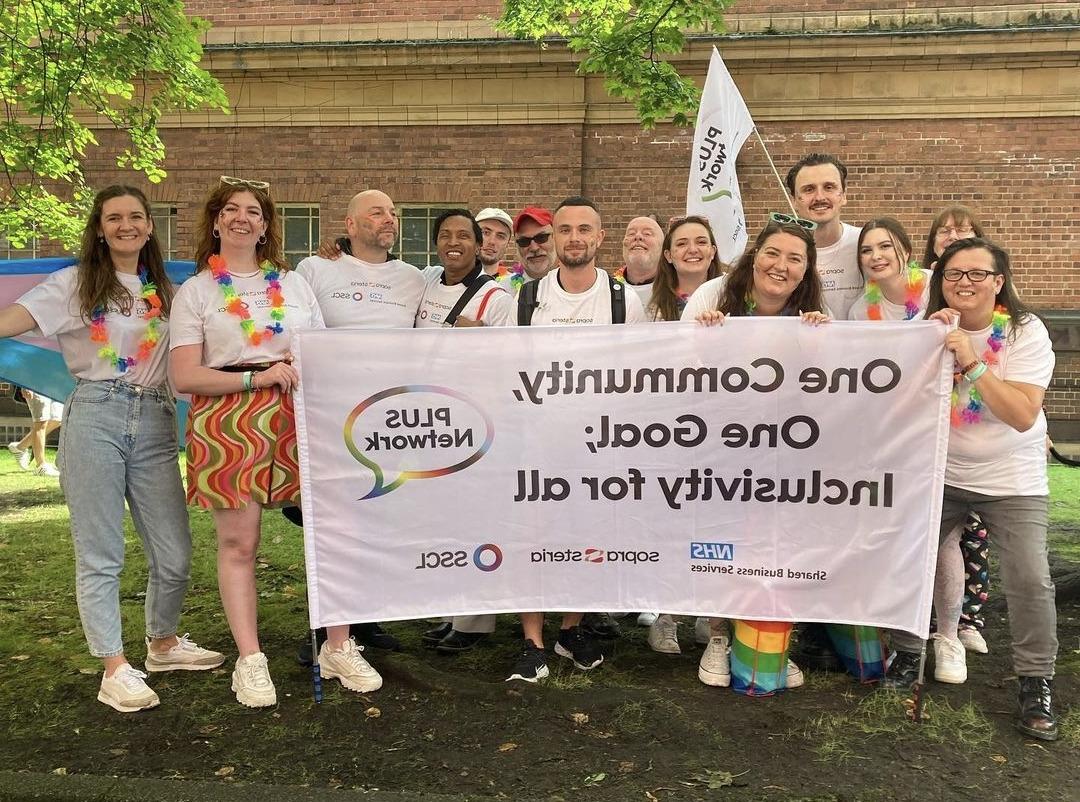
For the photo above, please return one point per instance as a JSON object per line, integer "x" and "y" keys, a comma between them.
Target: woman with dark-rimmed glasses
{"x": 996, "y": 464}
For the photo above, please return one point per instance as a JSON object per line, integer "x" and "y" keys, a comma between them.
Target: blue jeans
{"x": 119, "y": 442}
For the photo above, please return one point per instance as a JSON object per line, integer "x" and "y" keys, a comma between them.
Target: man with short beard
{"x": 642, "y": 247}
{"x": 575, "y": 293}
{"x": 818, "y": 187}
{"x": 497, "y": 227}
{"x": 363, "y": 287}
{"x": 533, "y": 237}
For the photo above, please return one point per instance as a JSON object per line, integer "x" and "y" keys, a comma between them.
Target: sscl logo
{"x": 487, "y": 557}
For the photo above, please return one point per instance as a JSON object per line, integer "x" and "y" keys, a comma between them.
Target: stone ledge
{"x": 912, "y": 19}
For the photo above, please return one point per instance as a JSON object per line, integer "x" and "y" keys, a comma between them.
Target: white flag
{"x": 723, "y": 124}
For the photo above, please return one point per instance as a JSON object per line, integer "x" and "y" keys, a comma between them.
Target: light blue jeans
{"x": 119, "y": 442}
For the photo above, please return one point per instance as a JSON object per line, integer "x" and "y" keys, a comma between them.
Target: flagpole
{"x": 775, "y": 172}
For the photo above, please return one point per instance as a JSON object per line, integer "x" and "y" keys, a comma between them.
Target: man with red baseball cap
{"x": 533, "y": 236}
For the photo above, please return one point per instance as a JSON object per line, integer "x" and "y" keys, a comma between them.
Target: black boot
{"x": 1036, "y": 708}
{"x": 903, "y": 672}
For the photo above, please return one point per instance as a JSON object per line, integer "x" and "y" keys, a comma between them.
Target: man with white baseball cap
{"x": 497, "y": 227}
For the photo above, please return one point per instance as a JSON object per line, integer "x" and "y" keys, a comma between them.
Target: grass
{"x": 651, "y": 725}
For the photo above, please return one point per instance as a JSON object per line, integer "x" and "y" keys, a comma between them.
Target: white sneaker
{"x": 950, "y": 660}
{"x": 186, "y": 655}
{"x": 647, "y": 619}
{"x": 795, "y": 677}
{"x": 349, "y": 666}
{"x": 973, "y": 640}
{"x": 702, "y": 631}
{"x": 127, "y": 691}
{"x": 664, "y": 635}
{"x": 251, "y": 682}
{"x": 23, "y": 455}
{"x": 714, "y": 668}
{"x": 46, "y": 469}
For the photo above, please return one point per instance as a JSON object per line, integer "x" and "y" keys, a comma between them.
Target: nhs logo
{"x": 712, "y": 551}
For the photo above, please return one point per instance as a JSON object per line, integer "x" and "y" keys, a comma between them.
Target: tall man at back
{"x": 818, "y": 187}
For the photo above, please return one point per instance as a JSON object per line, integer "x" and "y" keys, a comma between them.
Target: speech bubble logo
{"x": 381, "y": 487}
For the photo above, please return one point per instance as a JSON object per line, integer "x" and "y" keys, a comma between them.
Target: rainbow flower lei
{"x": 516, "y": 273}
{"x": 99, "y": 332}
{"x": 235, "y": 306}
{"x": 620, "y": 275}
{"x": 916, "y": 283}
{"x": 972, "y": 413}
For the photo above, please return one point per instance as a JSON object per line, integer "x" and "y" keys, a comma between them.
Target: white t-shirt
{"x": 54, "y": 305}
{"x": 706, "y": 298}
{"x": 200, "y": 317}
{"x": 643, "y": 291}
{"x": 360, "y": 294}
{"x": 889, "y": 310}
{"x": 991, "y": 457}
{"x": 838, "y": 267}
{"x": 491, "y": 304}
{"x": 556, "y": 306}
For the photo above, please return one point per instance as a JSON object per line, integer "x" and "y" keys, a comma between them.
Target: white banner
{"x": 765, "y": 469}
{"x": 723, "y": 124}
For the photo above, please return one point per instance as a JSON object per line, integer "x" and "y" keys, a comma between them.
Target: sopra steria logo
{"x": 595, "y": 555}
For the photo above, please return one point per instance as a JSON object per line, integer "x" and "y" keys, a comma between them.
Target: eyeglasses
{"x": 539, "y": 239}
{"x": 788, "y": 220}
{"x": 974, "y": 276}
{"x": 960, "y": 232}
{"x": 229, "y": 180}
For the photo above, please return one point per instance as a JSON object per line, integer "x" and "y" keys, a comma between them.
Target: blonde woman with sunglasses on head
{"x": 110, "y": 314}
{"x": 232, "y": 327}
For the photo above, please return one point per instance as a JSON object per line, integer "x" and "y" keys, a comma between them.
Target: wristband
{"x": 248, "y": 375}
{"x": 975, "y": 373}
{"x": 969, "y": 367}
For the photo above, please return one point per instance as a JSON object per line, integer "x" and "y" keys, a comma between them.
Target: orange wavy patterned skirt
{"x": 241, "y": 448}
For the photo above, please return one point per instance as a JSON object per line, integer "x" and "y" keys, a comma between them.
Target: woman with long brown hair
{"x": 110, "y": 314}
{"x": 687, "y": 261}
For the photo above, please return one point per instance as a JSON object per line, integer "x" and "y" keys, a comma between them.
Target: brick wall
{"x": 1020, "y": 174}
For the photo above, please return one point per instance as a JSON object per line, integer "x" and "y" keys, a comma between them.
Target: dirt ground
{"x": 641, "y": 727}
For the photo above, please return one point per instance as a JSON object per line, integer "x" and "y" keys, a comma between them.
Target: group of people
{"x": 224, "y": 337}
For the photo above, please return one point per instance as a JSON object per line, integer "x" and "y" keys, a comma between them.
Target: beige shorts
{"x": 44, "y": 409}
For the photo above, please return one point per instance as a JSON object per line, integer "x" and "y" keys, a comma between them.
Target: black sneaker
{"x": 432, "y": 637}
{"x": 903, "y": 672}
{"x": 373, "y": 635}
{"x": 459, "y": 641}
{"x": 575, "y": 645}
{"x": 600, "y": 625}
{"x": 1037, "y": 709}
{"x": 532, "y": 665}
{"x": 303, "y": 655}
{"x": 815, "y": 649}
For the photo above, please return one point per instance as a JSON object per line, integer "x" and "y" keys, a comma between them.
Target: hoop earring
{"x": 215, "y": 233}
{"x": 262, "y": 239}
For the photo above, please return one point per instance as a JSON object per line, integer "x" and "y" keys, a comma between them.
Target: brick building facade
{"x": 928, "y": 106}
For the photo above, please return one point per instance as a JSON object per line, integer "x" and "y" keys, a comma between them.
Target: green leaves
{"x": 66, "y": 67}
{"x": 626, "y": 43}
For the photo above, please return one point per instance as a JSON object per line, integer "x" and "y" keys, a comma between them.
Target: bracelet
{"x": 248, "y": 376}
{"x": 975, "y": 373}
{"x": 969, "y": 367}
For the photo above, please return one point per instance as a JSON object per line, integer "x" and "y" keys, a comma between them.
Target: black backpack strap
{"x": 618, "y": 299}
{"x": 527, "y": 301}
{"x": 467, "y": 296}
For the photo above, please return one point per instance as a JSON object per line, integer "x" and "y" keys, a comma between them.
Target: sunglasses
{"x": 539, "y": 239}
{"x": 788, "y": 220}
{"x": 229, "y": 180}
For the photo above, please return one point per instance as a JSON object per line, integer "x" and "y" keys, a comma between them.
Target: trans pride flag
{"x": 35, "y": 362}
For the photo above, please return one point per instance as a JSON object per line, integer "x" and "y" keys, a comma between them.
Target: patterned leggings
{"x": 975, "y": 546}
